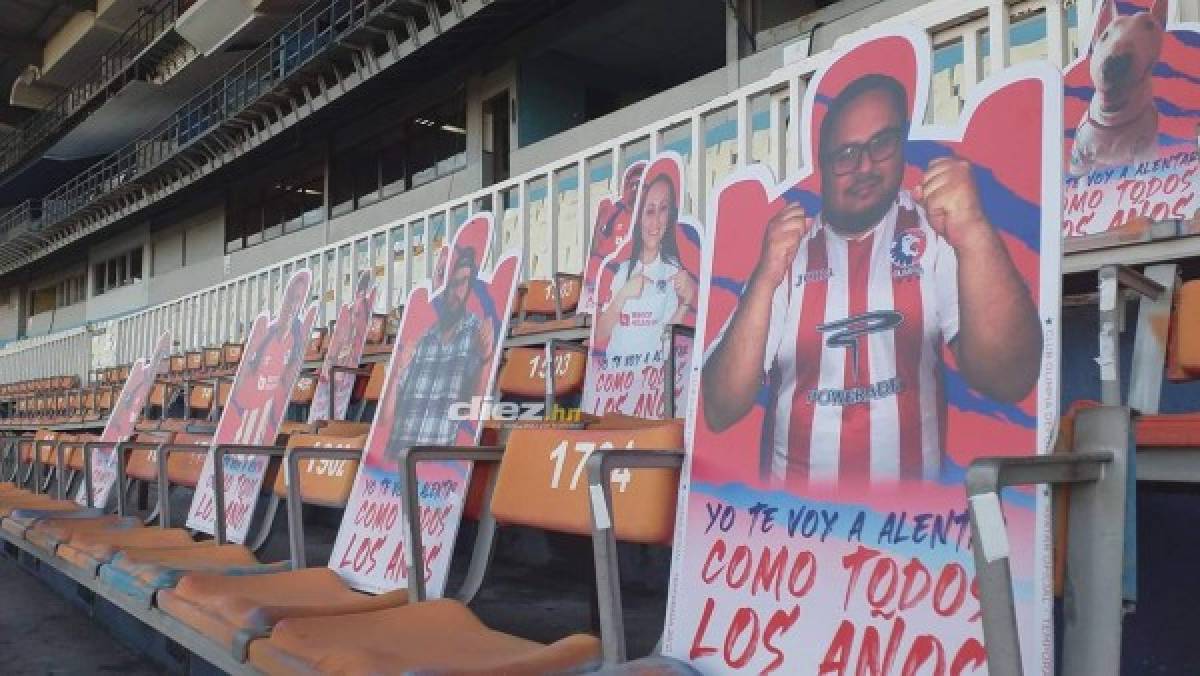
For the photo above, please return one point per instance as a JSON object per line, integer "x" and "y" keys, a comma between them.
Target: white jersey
{"x": 854, "y": 352}
{"x": 640, "y": 328}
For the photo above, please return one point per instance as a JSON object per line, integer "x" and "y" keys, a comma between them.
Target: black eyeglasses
{"x": 882, "y": 146}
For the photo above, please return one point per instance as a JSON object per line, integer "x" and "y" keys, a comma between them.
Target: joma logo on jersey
{"x": 846, "y": 333}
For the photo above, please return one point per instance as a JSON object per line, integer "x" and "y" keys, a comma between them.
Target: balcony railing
{"x": 20, "y": 229}
{"x": 113, "y": 68}
{"x": 307, "y": 35}
{"x": 545, "y": 212}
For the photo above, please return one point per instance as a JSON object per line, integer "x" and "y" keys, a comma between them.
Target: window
{"x": 71, "y": 290}
{"x": 117, "y": 271}
{"x": 41, "y": 300}
{"x": 419, "y": 149}
{"x": 269, "y": 207}
{"x": 63, "y": 293}
{"x": 438, "y": 141}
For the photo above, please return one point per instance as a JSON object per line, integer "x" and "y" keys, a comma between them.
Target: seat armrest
{"x": 219, "y": 453}
{"x": 408, "y": 460}
{"x": 164, "y": 484}
{"x": 295, "y": 508}
{"x": 604, "y": 542}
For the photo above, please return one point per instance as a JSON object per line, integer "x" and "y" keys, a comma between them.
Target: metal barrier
{"x": 63, "y": 353}
{"x": 1096, "y": 470}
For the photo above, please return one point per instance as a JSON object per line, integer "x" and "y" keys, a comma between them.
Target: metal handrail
{"x": 112, "y": 64}
{"x": 27, "y": 213}
{"x": 298, "y": 43}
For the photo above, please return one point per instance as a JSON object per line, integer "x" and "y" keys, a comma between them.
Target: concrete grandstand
{"x": 209, "y": 170}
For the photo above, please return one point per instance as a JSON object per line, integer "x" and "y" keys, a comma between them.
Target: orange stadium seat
{"x": 444, "y": 635}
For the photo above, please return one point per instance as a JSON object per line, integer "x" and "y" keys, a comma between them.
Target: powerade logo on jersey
{"x": 856, "y": 395}
{"x": 847, "y": 333}
{"x": 908, "y": 247}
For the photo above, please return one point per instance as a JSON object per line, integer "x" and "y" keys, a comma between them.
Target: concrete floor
{"x": 42, "y": 633}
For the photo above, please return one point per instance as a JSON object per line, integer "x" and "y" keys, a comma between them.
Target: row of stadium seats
{"x": 182, "y": 585}
{"x": 200, "y": 377}
{"x": 247, "y": 613}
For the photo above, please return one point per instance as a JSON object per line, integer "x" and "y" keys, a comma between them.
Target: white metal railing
{"x": 546, "y": 212}
{"x": 62, "y": 353}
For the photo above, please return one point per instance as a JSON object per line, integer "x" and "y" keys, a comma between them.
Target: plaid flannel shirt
{"x": 442, "y": 372}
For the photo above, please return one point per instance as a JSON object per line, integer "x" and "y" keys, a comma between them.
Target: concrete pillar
{"x": 474, "y": 97}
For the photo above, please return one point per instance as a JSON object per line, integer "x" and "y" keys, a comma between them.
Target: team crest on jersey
{"x": 908, "y": 248}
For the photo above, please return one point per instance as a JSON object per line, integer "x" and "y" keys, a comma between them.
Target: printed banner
{"x": 613, "y": 218}
{"x": 122, "y": 421}
{"x": 1131, "y": 110}
{"x": 648, "y": 283}
{"x": 344, "y": 351}
{"x": 869, "y": 328}
{"x": 446, "y": 353}
{"x": 258, "y": 402}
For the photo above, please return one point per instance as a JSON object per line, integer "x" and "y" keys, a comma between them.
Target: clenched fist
{"x": 780, "y": 243}
{"x": 685, "y": 288}
{"x": 951, "y": 200}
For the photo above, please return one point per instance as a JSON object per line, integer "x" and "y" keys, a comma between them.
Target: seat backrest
{"x": 316, "y": 344}
{"x": 47, "y": 452}
{"x": 183, "y": 469}
{"x": 1183, "y": 353}
{"x": 26, "y": 446}
{"x": 543, "y": 482}
{"x": 143, "y": 464}
{"x": 195, "y": 360}
{"x": 305, "y": 388}
{"x": 323, "y": 481}
{"x": 343, "y": 428}
{"x": 538, "y": 298}
{"x": 158, "y": 394}
{"x": 224, "y": 387}
{"x": 73, "y": 452}
{"x": 104, "y": 398}
{"x": 212, "y": 357}
{"x": 524, "y": 371}
{"x": 201, "y": 396}
{"x": 231, "y": 354}
{"x": 374, "y": 388}
{"x": 178, "y": 364}
{"x": 291, "y": 427}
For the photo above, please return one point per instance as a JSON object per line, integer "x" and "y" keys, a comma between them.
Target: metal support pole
{"x": 1113, "y": 279}
{"x": 1097, "y": 468}
{"x": 604, "y": 540}
{"x": 409, "y": 457}
{"x": 295, "y": 500}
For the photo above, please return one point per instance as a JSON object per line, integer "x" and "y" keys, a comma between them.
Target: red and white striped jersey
{"x": 854, "y": 352}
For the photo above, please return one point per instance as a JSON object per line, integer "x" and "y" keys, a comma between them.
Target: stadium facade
{"x": 169, "y": 163}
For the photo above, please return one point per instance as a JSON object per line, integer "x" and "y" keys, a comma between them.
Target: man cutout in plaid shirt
{"x": 446, "y": 366}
